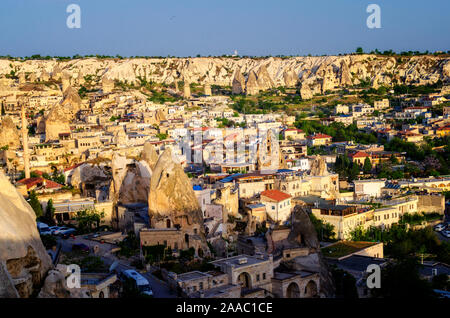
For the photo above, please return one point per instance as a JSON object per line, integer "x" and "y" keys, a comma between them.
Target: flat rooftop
{"x": 287, "y": 275}
{"x": 191, "y": 276}
{"x": 216, "y": 291}
{"x": 343, "y": 248}
{"x": 251, "y": 260}
{"x": 357, "y": 263}
{"x": 368, "y": 181}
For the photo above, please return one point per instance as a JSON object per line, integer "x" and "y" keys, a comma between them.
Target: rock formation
{"x": 24, "y": 261}
{"x": 55, "y": 285}
{"x": 86, "y": 174}
{"x": 171, "y": 193}
{"x": 252, "y": 86}
{"x": 319, "y": 73}
{"x": 345, "y": 78}
{"x": 172, "y": 200}
{"x": 107, "y": 85}
{"x": 131, "y": 178}
{"x": 238, "y": 82}
{"x": 319, "y": 167}
{"x": 305, "y": 92}
{"x": 149, "y": 155}
{"x": 207, "y": 89}
{"x": 160, "y": 115}
{"x": 302, "y": 227}
{"x": 9, "y": 134}
{"x": 62, "y": 115}
{"x": 268, "y": 153}
{"x": 187, "y": 89}
{"x": 290, "y": 78}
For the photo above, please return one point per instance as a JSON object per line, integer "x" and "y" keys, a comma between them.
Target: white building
{"x": 278, "y": 204}
{"x": 368, "y": 188}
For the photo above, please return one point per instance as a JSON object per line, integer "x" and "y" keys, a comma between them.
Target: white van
{"x": 141, "y": 282}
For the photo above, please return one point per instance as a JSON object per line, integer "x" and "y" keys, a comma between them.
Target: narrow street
{"x": 160, "y": 288}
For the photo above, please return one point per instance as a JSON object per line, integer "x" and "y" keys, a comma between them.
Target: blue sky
{"x": 216, "y": 27}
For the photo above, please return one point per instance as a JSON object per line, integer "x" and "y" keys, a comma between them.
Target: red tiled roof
{"x": 276, "y": 195}
{"x": 30, "y": 182}
{"x": 418, "y": 107}
{"x": 49, "y": 184}
{"x": 444, "y": 128}
{"x": 200, "y": 128}
{"x": 319, "y": 136}
{"x": 39, "y": 172}
{"x": 73, "y": 167}
{"x": 359, "y": 154}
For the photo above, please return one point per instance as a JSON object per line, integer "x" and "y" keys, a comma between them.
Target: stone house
{"x": 278, "y": 204}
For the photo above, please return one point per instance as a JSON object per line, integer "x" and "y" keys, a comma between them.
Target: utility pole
{"x": 26, "y": 155}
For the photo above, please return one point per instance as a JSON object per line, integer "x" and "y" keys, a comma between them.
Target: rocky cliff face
{"x": 317, "y": 74}
{"x": 131, "y": 178}
{"x": 62, "y": 114}
{"x": 172, "y": 203}
{"x": 24, "y": 261}
{"x": 9, "y": 134}
{"x": 171, "y": 193}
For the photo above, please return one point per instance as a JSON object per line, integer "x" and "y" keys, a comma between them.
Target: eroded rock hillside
{"x": 313, "y": 74}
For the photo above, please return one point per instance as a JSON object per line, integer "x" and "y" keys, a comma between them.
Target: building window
{"x": 264, "y": 276}
{"x": 257, "y": 277}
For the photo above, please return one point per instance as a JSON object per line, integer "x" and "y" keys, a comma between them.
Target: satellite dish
{"x": 113, "y": 266}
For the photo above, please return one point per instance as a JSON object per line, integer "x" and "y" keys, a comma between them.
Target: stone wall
{"x": 431, "y": 203}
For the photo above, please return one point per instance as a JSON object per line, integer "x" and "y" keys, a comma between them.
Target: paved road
{"x": 160, "y": 288}
{"x": 442, "y": 237}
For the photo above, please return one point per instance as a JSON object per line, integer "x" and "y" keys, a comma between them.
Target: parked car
{"x": 440, "y": 227}
{"x": 59, "y": 229}
{"x": 66, "y": 233}
{"x": 446, "y": 233}
{"x": 43, "y": 228}
{"x": 80, "y": 247}
{"x": 54, "y": 228}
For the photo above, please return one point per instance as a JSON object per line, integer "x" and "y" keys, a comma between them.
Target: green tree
{"x": 88, "y": 218}
{"x": 345, "y": 284}
{"x": 354, "y": 172}
{"x": 401, "y": 279}
{"x": 161, "y": 136}
{"x": 60, "y": 178}
{"x": 130, "y": 245}
{"x": 367, "y": 168}
{"x": 50, "y": 213}
{"x": 394, "y": 160}
{"x": 359, "y": 50}
{"x": 35, "y": 204}
{"x": 325, "y": 231}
